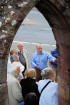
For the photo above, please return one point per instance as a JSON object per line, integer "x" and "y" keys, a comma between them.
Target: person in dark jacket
{"x": 22, "y": 55}
{"x": 29, "y": 83}
{"x": 31, "y": 99}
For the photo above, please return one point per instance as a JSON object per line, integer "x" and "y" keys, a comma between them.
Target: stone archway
{"x": 57, "y": 13}
{"x": 57, "y": 16}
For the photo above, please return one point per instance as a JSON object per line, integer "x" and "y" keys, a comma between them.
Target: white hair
{"x": 38, "y": 45}
{"x": 14, "y": 57}
{"x": 47, "y": 72}
{"x": 20, "y": 43}
{"x": 14, "y": 66}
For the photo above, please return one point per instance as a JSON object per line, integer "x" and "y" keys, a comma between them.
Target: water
{"x": 35, "y": 29}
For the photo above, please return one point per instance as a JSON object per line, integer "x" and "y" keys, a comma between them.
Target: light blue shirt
{"x": 41, "y": 60}
{"x": 49, "y": 95}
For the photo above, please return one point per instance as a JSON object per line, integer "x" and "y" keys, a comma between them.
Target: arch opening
{"x": 59, "y": 27}
{"x": 33, "y": 30}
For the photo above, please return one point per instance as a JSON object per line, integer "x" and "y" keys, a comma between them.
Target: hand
{"x": 36, "y": 68}
{"x": 56, "y": 60}
{"x": 50, "y": 62}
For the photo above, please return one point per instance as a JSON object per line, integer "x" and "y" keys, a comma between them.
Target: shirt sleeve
{"x": 33, "y": 64}
{"x": 50, "y": 57}
{"x": 54, "y": 53}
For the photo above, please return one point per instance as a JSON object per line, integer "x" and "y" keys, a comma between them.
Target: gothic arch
{"x": 57, "y": 14}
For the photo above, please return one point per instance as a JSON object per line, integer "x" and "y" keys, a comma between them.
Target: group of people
{"x": 17, "y": 56}
{"x": 33, "y": 86}
{"x": 40, "y": 60}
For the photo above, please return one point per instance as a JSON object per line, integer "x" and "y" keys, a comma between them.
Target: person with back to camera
{"x": 12, "y": 52}
{"x": 10, "y": 59}
{"x": 47, "y": 88}
{"x": 39, "y": 61}
{"x": 31, "y": 99}
{"x": 28, "y": 84}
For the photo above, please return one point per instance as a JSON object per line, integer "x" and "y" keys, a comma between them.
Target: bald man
{"x": 22, "y": 59}
{"x": 39, "y": 60}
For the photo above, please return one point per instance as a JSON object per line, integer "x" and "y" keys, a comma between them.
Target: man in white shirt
{"x": 47, "y": 88}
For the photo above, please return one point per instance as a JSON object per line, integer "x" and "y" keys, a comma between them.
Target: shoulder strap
{"x": 45, "y": 86}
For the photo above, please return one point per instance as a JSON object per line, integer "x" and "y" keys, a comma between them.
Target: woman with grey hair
{"x": 47, "y": 88}
{"x": 14, "y": 88}
{"x": 48, "y": 73}
{"x": 16, "y": 59}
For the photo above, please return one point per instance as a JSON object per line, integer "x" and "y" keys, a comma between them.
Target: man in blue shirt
{"x": 39, "y": 61}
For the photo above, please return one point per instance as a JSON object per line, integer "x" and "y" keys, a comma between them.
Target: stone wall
{"x": 57, "y": 13}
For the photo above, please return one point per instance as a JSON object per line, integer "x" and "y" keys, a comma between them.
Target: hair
{"x": 14, "y": 67}
{"x": 13, "y": 51}
{"x": 38, "y": 45}
{"x": 31, "y": 99}
{"x": 47, "y": 72}
{"x": 15, "y": 56}
{"x": 19, "y": 43}
{"x": 30, "y": 73}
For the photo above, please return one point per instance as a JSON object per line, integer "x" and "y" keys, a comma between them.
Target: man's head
{"x": 47, "y": 73}
{"x": 39, "y": 48}
{"x": 20, "y": 46}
